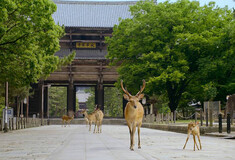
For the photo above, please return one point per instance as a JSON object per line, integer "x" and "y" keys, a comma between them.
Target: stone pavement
{"x": 76, "y": 143}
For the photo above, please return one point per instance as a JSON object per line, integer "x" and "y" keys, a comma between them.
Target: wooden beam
{"x": 86, "y": 66}
{"x": 85, "y": 73}
{"x": 88, "y": 34}
{"x": 91, "y": 28}
{"x": 69, "y": 41}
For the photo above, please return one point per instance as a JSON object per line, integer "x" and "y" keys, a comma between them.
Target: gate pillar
{"x": 71, "y": 98}
{"x": 100, "y": 96}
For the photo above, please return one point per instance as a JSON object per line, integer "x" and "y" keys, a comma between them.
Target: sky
{"x": 220, "y": 3}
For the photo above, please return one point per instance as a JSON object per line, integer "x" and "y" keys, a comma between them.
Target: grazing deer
{"x": 91, "y": 118}
{"x": 134, "y": 113}
{"x": 99, "y": 118}
{"x": 67, "y": 119}
{"x": 193, "y": 128}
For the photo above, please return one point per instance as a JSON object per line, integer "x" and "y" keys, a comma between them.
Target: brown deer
{"x": 66, "y": 120}
{"x": 99, "y": 118}
{"x": 91, "y": 118}
{"x": 134, "y": 113}
{"x": 193, "y": 128}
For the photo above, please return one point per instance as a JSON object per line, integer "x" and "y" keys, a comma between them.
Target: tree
{"x": 175, "y": 47}
{"x": 113, "y": 102}
{"x": 90, "y": 103}
{"x": 57, "y": 101}
{"x": 29, "y": 38}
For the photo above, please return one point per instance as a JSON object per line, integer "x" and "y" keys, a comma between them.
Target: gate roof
{"x": 91, "y": 13}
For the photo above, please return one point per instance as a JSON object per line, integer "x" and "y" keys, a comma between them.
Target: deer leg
{"x": 95, "y": 126}
{"x": 100, "y": 126}
{"x": 198, "y": 136}
{"x": 130, "y": 131}
{"x": 133, "y": 136}
{"x": 87, "y": 122}
{"x": 195, "y": 143}
{"x": 139, "y": 136}
{"x": 89, "y": 125}
{"x": 186, "y": 141}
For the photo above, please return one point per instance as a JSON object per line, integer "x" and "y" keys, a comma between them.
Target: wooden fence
{"x": 160, "y": 118}
{"x": 168, "y": 118}
{"x": 21, "y": 123}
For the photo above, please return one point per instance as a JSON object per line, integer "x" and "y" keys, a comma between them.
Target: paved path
{"x": 76, "y": 143}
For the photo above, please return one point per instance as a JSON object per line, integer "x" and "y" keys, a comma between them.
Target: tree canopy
{"x": 178, "y": 48}
{"x": 57, "y": 101}
{"x": 29, "y": 39}
{"x": 112, "y": 102}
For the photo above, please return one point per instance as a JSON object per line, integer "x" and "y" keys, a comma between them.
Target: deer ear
{"x": 141, "y": 96}
{"x": 126, "y": 97}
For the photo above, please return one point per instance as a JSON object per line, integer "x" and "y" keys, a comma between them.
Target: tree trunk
{"x": 18, "y": 107}
{"x": 174, "y": 91}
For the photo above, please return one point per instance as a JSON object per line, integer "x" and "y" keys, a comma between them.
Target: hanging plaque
{"x": 85, "y": 45}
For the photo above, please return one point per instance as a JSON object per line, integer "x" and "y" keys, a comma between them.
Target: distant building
{"x": 86, "y": 25}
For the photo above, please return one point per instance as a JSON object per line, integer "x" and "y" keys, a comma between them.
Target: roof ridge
{"x": 95, "y": 2}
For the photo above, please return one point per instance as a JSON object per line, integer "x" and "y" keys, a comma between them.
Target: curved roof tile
{"x": 91, "y": 14}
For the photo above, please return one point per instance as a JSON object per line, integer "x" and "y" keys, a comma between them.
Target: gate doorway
{"x": 85, "y": 98}
{"x": 113, "y": 102}
{"x": 57, "y": 101}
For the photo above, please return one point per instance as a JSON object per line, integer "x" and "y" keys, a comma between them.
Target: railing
{"x": 22, "y": 123}
{"x": 160, "y": 118}
{"x": 171, "y": 117}
{"x": 167, "y": 118}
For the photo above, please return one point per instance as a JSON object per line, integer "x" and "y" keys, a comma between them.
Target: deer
{"x": 91, "y": 118}
{"x": 134, "y": 113}
{"x": 67, "y": 119}
{"x": 99, "y": 118}
{"x": 193, "y": 128}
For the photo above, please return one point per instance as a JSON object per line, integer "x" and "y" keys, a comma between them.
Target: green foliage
{"x": 112, "y": 102}
{"x": 1, "y": 109}
{"x": 57, "y": 101}
{"x": 67, "y": 59}
{"x": 90, "y": 103}
{"x": 160, "y": 103}
{"x": 209, "y": 91}
{"x": 29, "y": 38}
{"x": 2, "y": 99}
{"x": 176, "y": 47}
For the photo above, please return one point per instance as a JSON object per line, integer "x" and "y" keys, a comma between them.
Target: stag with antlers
{"x": 134, "y": 113}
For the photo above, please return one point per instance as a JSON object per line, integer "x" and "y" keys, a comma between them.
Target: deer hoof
{"x": 139, "y": 147}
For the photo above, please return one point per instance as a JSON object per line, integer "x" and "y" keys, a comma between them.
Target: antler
{"x": 142, "y": 88}
{"x": 124, "y": 89}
